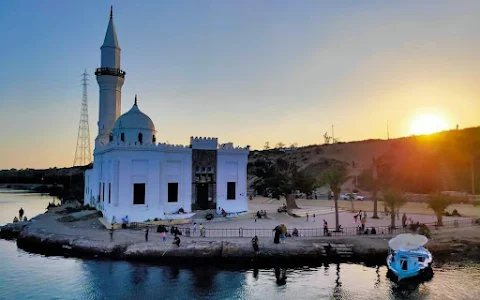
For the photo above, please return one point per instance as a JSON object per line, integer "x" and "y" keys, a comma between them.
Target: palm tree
{"x": 335, "y": 178}
{"x": 438, "y": 202}
{"x": 393, "y": 200}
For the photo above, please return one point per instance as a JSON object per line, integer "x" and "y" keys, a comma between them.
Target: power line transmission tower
{"x": 83, "y": 154}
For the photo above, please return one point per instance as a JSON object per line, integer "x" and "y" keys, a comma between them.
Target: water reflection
{"x": 281, "y": 276}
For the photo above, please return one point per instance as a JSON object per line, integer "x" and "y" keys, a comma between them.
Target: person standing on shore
{"x": 146, "y": 234}
{"x": 111, "y": 234}
{"x": 307, "y": 217}
{"x": 20, "y": 213}
{"x": 313, "y": 218}
{"x": 194, "y": 228}
{"x": 164, "y": 236}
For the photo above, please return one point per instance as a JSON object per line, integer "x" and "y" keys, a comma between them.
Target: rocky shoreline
{"x": 44, "y": 234}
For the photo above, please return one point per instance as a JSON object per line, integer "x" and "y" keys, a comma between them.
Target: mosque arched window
{"x": 140, "y": 138}
{"x": 154, "y": 139}
{"x": 110, "y": 137}
{"x": 122, "y": 137}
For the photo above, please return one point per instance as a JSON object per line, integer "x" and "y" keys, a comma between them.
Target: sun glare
{"x": 427, "y": 124}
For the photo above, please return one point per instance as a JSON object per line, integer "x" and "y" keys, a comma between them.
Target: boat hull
{"x": 407, "y": 264}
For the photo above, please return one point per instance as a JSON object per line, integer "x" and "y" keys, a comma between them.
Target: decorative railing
{"x": 306, "y": 232}
{"x": 110, "y": 71}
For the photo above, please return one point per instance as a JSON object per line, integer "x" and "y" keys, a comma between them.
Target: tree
{"x": 267, "y": 146}
{"x": 327, "y": 138}
{"x": 393, "y": 200}
{"x": 294, "y": 145}
{"x": 438, "y": 202}
{"x": 335, "y": 178}
{"x": 351, "y": 197}
{"x": 280, "y": 145}
{"x": 281, "y": 178}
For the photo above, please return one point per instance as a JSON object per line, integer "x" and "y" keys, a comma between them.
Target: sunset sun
{"x": 427, "y": 124}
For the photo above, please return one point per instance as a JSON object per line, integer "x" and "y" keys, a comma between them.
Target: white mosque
{"x": 136, "y": 176}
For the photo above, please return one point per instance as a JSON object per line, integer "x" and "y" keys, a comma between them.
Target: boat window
{"x": 421, "y": 259}
{"x": 404, "y": 265}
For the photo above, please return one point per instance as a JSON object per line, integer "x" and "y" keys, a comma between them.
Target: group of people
{"x": 362, "y": 217}
{"x": 261, "y": 213}
{"x": 21, "y": 216}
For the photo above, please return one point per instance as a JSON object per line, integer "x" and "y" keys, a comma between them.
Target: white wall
{"x": 232, "y": 167}
{"x": 155, "y": 168}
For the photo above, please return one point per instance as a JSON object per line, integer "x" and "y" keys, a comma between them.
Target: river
{"x": 31, "y": 276}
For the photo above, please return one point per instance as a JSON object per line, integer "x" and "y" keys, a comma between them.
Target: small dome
{"x": 134, "y": 119}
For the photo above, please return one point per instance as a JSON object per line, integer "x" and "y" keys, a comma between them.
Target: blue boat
{"x": 407, "y": 257}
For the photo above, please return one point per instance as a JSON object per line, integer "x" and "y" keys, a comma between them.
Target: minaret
{"x": 110, "y": 79}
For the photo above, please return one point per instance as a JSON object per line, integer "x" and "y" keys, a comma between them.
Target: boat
{"x": 407, "y": 257}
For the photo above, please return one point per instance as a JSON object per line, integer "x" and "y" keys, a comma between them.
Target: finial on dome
{"x": 135, "y": 100}
{"x": 111, "y": 11}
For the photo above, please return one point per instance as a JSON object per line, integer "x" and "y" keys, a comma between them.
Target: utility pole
{"x": 83, "y": 153}
{"x": 388, "y": 132}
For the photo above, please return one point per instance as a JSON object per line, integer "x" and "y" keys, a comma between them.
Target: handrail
{"x": 110, "y": 71}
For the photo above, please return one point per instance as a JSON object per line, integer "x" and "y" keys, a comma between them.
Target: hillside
{"x": 419, "y": 164}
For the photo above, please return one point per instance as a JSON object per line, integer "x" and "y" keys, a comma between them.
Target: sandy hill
{"x": 441, "y": 161}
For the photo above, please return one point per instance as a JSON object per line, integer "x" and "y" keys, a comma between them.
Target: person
{"x": 176, "y": 241}
{"x": 307, "y": 217}
{"x": 365, "y": 215}
{"x": 366, "y": 231}
{"x": 25, "y": 219}
{"x": 325, "y": 227}
{"x": 202, "y": 230}
{"x": 295, "y": 232}
{"x": 124, "y": 222}
{"x": 259, "y": 215}
{"x": 176, "y": 231}
{"x": 172, "y": 230}
{"x": 255, "y": 243}
{"x": 181, "y": 210}
{"x": 146, "y": 234}
{"x": 224, "y": 213}
{"x": 364, "y": 221}
{"x": 373, "y": 231}
{"x": 20, "y": 213}
{"x": 194, "y": 228}
{"x": 164, "y": 236}
{"x": 404, "y": 220}
{"x": 355, "y": 217}
{"x": 340, "y": 229}
{"x": 284, "y": 233}
{"x": 278, "y": 232}
{"x": 313, "y": 218}
{"x": 15, "y": 220}
{"x": 111, "y": 233}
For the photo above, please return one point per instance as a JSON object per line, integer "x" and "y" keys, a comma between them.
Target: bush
{"x": 455, "y": 213}
{"x": 447, "y": 214}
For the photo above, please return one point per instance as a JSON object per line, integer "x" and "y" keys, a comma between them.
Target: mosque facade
{"x": 135, "y": 175}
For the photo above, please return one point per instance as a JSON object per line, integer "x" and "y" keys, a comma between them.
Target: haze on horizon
{"x": 246, "y": 72}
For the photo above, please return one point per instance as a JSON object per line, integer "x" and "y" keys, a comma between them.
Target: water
{"x": 30, "y": 276}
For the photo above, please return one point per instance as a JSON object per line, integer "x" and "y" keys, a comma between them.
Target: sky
{"x": 245, "y": 71}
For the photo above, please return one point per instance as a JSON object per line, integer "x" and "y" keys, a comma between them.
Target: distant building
{"x": 136, "y": 176}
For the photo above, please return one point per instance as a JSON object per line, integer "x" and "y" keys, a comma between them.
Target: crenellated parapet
{"x": 172, "y": 147}
{"x": 228, "y": 147}
{"x": 203, "y": 143}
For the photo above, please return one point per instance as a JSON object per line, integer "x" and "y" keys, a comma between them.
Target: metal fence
{"x": 306, "y": 232}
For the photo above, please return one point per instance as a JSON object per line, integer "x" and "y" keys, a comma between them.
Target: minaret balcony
{"x": 110, "y": 71}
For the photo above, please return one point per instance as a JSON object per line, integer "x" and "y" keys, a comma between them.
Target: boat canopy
{"x": 407, "y": 241}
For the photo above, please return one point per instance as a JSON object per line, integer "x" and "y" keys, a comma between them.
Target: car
{"x": 355, "y": 196}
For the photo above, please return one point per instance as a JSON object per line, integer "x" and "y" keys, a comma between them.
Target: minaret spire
{"x": 135, "y": 100}
{"x": 111, "y": 11}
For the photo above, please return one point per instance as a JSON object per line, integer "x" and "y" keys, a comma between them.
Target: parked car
{"x": 355, "y": 196}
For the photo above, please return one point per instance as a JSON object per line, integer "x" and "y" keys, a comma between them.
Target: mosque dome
{"x": 134, "y": 119}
